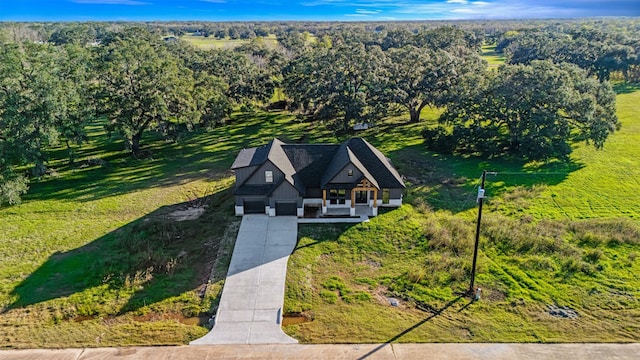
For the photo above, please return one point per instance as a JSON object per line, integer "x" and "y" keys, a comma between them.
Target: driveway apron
{"x": 250, "y": 309}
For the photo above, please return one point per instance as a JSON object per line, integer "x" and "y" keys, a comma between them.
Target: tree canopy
{"x": 56, "y": 78}
{"x": 143, "y": 86}
{"x": 531, "y": 111}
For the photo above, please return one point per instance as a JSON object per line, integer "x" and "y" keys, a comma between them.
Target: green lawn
{"x": 207, "y": 43}
{"x": 554, "y": 234}
{"x": 493, "y": 58}
{"x": 92, "y": 258}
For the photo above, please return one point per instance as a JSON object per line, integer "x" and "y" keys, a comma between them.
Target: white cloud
{"x": 368, "y": 12}
{"x": 352, "y": 3}
{"x": 111, "y": 2}
{"x": 468, "y": 9}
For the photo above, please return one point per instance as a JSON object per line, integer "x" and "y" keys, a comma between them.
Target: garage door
{"x": 286, "y": 208}
{"x": 253, "y": 207}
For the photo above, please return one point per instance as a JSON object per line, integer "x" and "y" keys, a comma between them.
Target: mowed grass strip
{"x": 493, "y": 58}
{"x": 208, "y": 43}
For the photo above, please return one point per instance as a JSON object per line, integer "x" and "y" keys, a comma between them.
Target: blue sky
{"x": 343, "y": 10}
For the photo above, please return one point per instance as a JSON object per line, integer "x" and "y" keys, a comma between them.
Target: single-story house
{"x": 280, "y": 179}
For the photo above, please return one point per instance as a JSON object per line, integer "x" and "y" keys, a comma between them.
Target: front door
{"x": 362, "y": 197}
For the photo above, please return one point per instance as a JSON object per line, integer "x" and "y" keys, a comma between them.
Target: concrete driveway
{"x": 250, "y": 310}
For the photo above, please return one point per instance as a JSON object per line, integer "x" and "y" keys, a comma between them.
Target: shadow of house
{"x": 146, "y": 261}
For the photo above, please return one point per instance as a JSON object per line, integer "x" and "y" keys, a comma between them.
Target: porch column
{"x": 324, "y": 201}
{"x": 352, "y": 210}
{"x": 374, "y": 211}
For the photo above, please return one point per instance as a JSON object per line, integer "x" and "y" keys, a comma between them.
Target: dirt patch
{"x": 297, "y": 318}
{"x": 372, "y": 264}
{"x": 191, "y": 213}
{"x": 494, "y": 295}
{"x": 562, "y": 312}
{"x": 381, "y": 296}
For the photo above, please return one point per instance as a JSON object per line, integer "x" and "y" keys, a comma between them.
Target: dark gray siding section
{"x": 285, "y": 192}
{"x": 242, "y": 174}
{"x": 258, "y": 176}
{"x": 313, "y": 193}
{"x": 343, "y": 176}
{"x": 240, "y": 199}
{"x": 394, "y": 194}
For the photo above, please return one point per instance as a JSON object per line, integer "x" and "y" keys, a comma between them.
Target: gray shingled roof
{"x": 314, "y": 165}
{"x": 310, "y": 161}
{"x": 252, "y": 156}
{"x": 376, "y": 163}
{"x": 281, "y": 161}
{"x": 341, "y": 158}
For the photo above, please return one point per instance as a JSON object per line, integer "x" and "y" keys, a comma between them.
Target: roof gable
{"x": 343, "y": 157}
{"x": 315, "y": 165}
{"x": 376, "y": 163}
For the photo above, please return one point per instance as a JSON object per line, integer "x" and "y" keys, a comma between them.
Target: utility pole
{"x": 475, "y": 249}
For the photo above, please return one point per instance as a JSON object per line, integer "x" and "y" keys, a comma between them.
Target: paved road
{"x": 331, "y": 352}
{"x": 250, "y": 310}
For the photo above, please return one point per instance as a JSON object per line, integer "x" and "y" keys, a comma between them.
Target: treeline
{"x": 491, "y": 29}
{"x": 599, "y": 52}
{"x": 139, "y": 79}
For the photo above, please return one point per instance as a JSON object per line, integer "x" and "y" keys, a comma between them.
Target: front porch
{"x": 313, "y": 214}
{"x": 363, "y": 196}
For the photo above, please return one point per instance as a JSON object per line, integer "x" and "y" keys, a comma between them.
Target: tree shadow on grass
{"x": 449, "y": 182}
{"x": 625, "y": 88}
{"x": 106, "y": 170}
{"x": 146, "y": 261}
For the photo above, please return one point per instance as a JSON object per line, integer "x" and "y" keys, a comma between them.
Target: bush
{"x": 437, "y": 139}
{"x": 11, "y": 188}
{"x": 593, "y": 255}
{"x": 614, "y": 232}
{"x": 329, "y": 297}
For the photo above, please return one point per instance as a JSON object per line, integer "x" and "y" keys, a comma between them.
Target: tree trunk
{"x": 135, "y": 144}
{"x": 414, "y": 115}
{"x": 345, "y": 124}
{"x": 71, "y": 153}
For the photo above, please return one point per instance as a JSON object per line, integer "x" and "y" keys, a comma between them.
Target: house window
{"x": 337, "y": 196}
{"x": 350, "y": 172}
{"x": 385, "y": 196}
{"x": 268, "y": 176}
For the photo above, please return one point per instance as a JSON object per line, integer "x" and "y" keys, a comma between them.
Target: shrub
{"x": 593, "y": 255}
{"x": 329, "y": 297}
{"x": 437, "y": 139}
{"x": 359, "y": 296}
{"x": 11, "y": 188}
{"x": 594, "y": 232}
{"x": 416, "y": 274}
{"x": 335, "y": 283}
{"x": 366, "y": 281}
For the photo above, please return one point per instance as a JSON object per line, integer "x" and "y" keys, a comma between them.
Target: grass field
{"x": 93, "y": 258}
{"x": 563, "y": 235}
{"x": 493, "y": 58}
{"x": 207, "y": 43}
